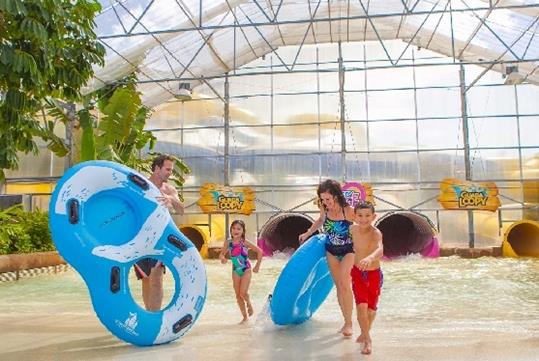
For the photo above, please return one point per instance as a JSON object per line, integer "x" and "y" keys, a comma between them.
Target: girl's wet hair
{"x": 364, "y": 205}
{"x": 334, "y": 188}
{"x": 241, "y": 223}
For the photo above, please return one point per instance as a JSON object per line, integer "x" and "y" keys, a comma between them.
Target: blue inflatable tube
{"x": 104, "y": 217}
{"x": 303, "y": 285}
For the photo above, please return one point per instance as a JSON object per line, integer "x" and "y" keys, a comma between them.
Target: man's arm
{"x": 172, "y": 196}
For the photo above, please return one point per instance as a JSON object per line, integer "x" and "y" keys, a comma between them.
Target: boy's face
{"x": 365, "y": 217}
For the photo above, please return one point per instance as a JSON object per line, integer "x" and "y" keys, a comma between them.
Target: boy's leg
{"x": 372, "y": 316}
{"x": 363, "y": 320}
{"x": 372, "y": 302}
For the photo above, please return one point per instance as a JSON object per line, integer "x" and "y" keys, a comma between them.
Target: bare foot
{"x": 367, "y": 348}
{"x": 245, "y": 320}
{"x": 250, "y": 309}
{"x": 360, "y": 338}
{"x": 346, "y": 331}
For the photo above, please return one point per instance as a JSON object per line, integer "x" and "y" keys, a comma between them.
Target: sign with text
{"x": 216, "y": 198}
{"x": 355, "y": 192}
{"x": 458, "y": 194}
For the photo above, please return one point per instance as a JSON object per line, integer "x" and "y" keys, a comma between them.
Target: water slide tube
{"x": 406, "y": 232}
{"x": 198, "y": 236}
{"x": 281, "y": 232}
{"x": 521, "y": 239}
{"x": 104, "y": 217}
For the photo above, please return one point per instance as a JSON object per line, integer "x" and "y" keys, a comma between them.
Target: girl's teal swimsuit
{"x": 239, "y": 257}
{"x": 339, "y": 242}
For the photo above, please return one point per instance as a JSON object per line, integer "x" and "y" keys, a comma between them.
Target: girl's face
{"x": 328, "y": 200}
{"x": 236, "y": 230}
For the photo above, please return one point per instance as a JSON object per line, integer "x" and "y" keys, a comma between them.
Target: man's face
{"x": 165, "y": 171}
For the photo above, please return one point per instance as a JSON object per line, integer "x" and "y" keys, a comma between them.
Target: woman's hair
{"x": 334, "y": 188}
{"x": 241, "y": 223}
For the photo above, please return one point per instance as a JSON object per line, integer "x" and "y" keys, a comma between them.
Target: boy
{"x": 366, "y": 273}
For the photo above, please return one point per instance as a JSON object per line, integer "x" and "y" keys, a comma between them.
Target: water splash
{"x": 263, "y": 321}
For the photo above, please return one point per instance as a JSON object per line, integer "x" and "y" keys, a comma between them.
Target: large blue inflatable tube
{"x": 303, "y": 285}
{"x": 104, "y": 217}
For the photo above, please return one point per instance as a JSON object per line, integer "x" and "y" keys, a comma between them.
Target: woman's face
{"x": 328, "y": 200}
{"x": 236, "y": 230}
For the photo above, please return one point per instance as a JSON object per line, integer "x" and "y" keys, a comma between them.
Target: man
{"x": 150, "y": 270}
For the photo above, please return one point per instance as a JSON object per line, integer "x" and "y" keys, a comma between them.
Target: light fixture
{"x": 184, "y": 92}
{"x": 512, "y": 76}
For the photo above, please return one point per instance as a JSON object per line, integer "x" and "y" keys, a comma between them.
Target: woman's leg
{"x": 236, "y": 281}
{"x": 342, "y": 284}
{"x": 345, "y": 280}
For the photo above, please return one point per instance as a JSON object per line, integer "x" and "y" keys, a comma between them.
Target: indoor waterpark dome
{"x": 183, "y": 181}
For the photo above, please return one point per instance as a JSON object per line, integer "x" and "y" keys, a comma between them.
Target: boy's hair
{"x": 364, "y": 205}
{"x": 160, "y": 160}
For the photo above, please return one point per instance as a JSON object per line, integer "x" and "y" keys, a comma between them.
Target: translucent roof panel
{"x": 172, "y": 41}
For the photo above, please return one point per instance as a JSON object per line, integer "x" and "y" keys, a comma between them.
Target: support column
{"x": 465, "y": 136}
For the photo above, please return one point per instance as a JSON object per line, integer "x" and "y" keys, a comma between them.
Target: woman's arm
{"x": 313, "y": 228}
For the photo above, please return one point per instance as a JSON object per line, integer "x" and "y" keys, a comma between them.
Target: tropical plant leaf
{"x": 87, "y": 125}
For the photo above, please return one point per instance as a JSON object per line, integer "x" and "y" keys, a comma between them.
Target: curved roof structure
{"x": 168, "y": 41}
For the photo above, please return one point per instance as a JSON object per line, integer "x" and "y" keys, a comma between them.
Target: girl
{"x": 336, "y": 216}
{"x": 238, "y": 248}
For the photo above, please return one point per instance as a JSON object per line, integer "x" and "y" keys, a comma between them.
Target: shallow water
{"x": 448, "y": 308}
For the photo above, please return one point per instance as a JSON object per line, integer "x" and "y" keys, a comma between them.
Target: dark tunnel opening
{"x": 194, "y": 236}
{"x": 405, "y": 233}
{"x": 524, "y": 238}
{"x": 281, "y": 232}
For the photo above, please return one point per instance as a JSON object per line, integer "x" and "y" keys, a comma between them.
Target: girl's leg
{"x": 342, "y": 284}
{"x": 244, "y": 290}
{"x": 236, "y": 281}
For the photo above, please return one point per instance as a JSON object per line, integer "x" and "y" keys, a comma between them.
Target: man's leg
{"x": 155, "y": 288}
{"x": 146, "y": 292}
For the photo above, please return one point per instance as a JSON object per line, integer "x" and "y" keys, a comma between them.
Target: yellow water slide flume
{"x": 521, "y": 239}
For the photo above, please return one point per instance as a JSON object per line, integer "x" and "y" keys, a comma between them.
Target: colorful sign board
{"x": 216, "y": 198}
{"x": 458, "y": 194}
{"x": 355, "y": 192}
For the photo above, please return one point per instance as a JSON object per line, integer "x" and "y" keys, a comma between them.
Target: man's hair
{"x": 364, "y": 205}
{"x": 159, "y": 160}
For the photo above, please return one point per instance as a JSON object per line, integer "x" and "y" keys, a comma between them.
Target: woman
{"x": 336, "y": 216}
